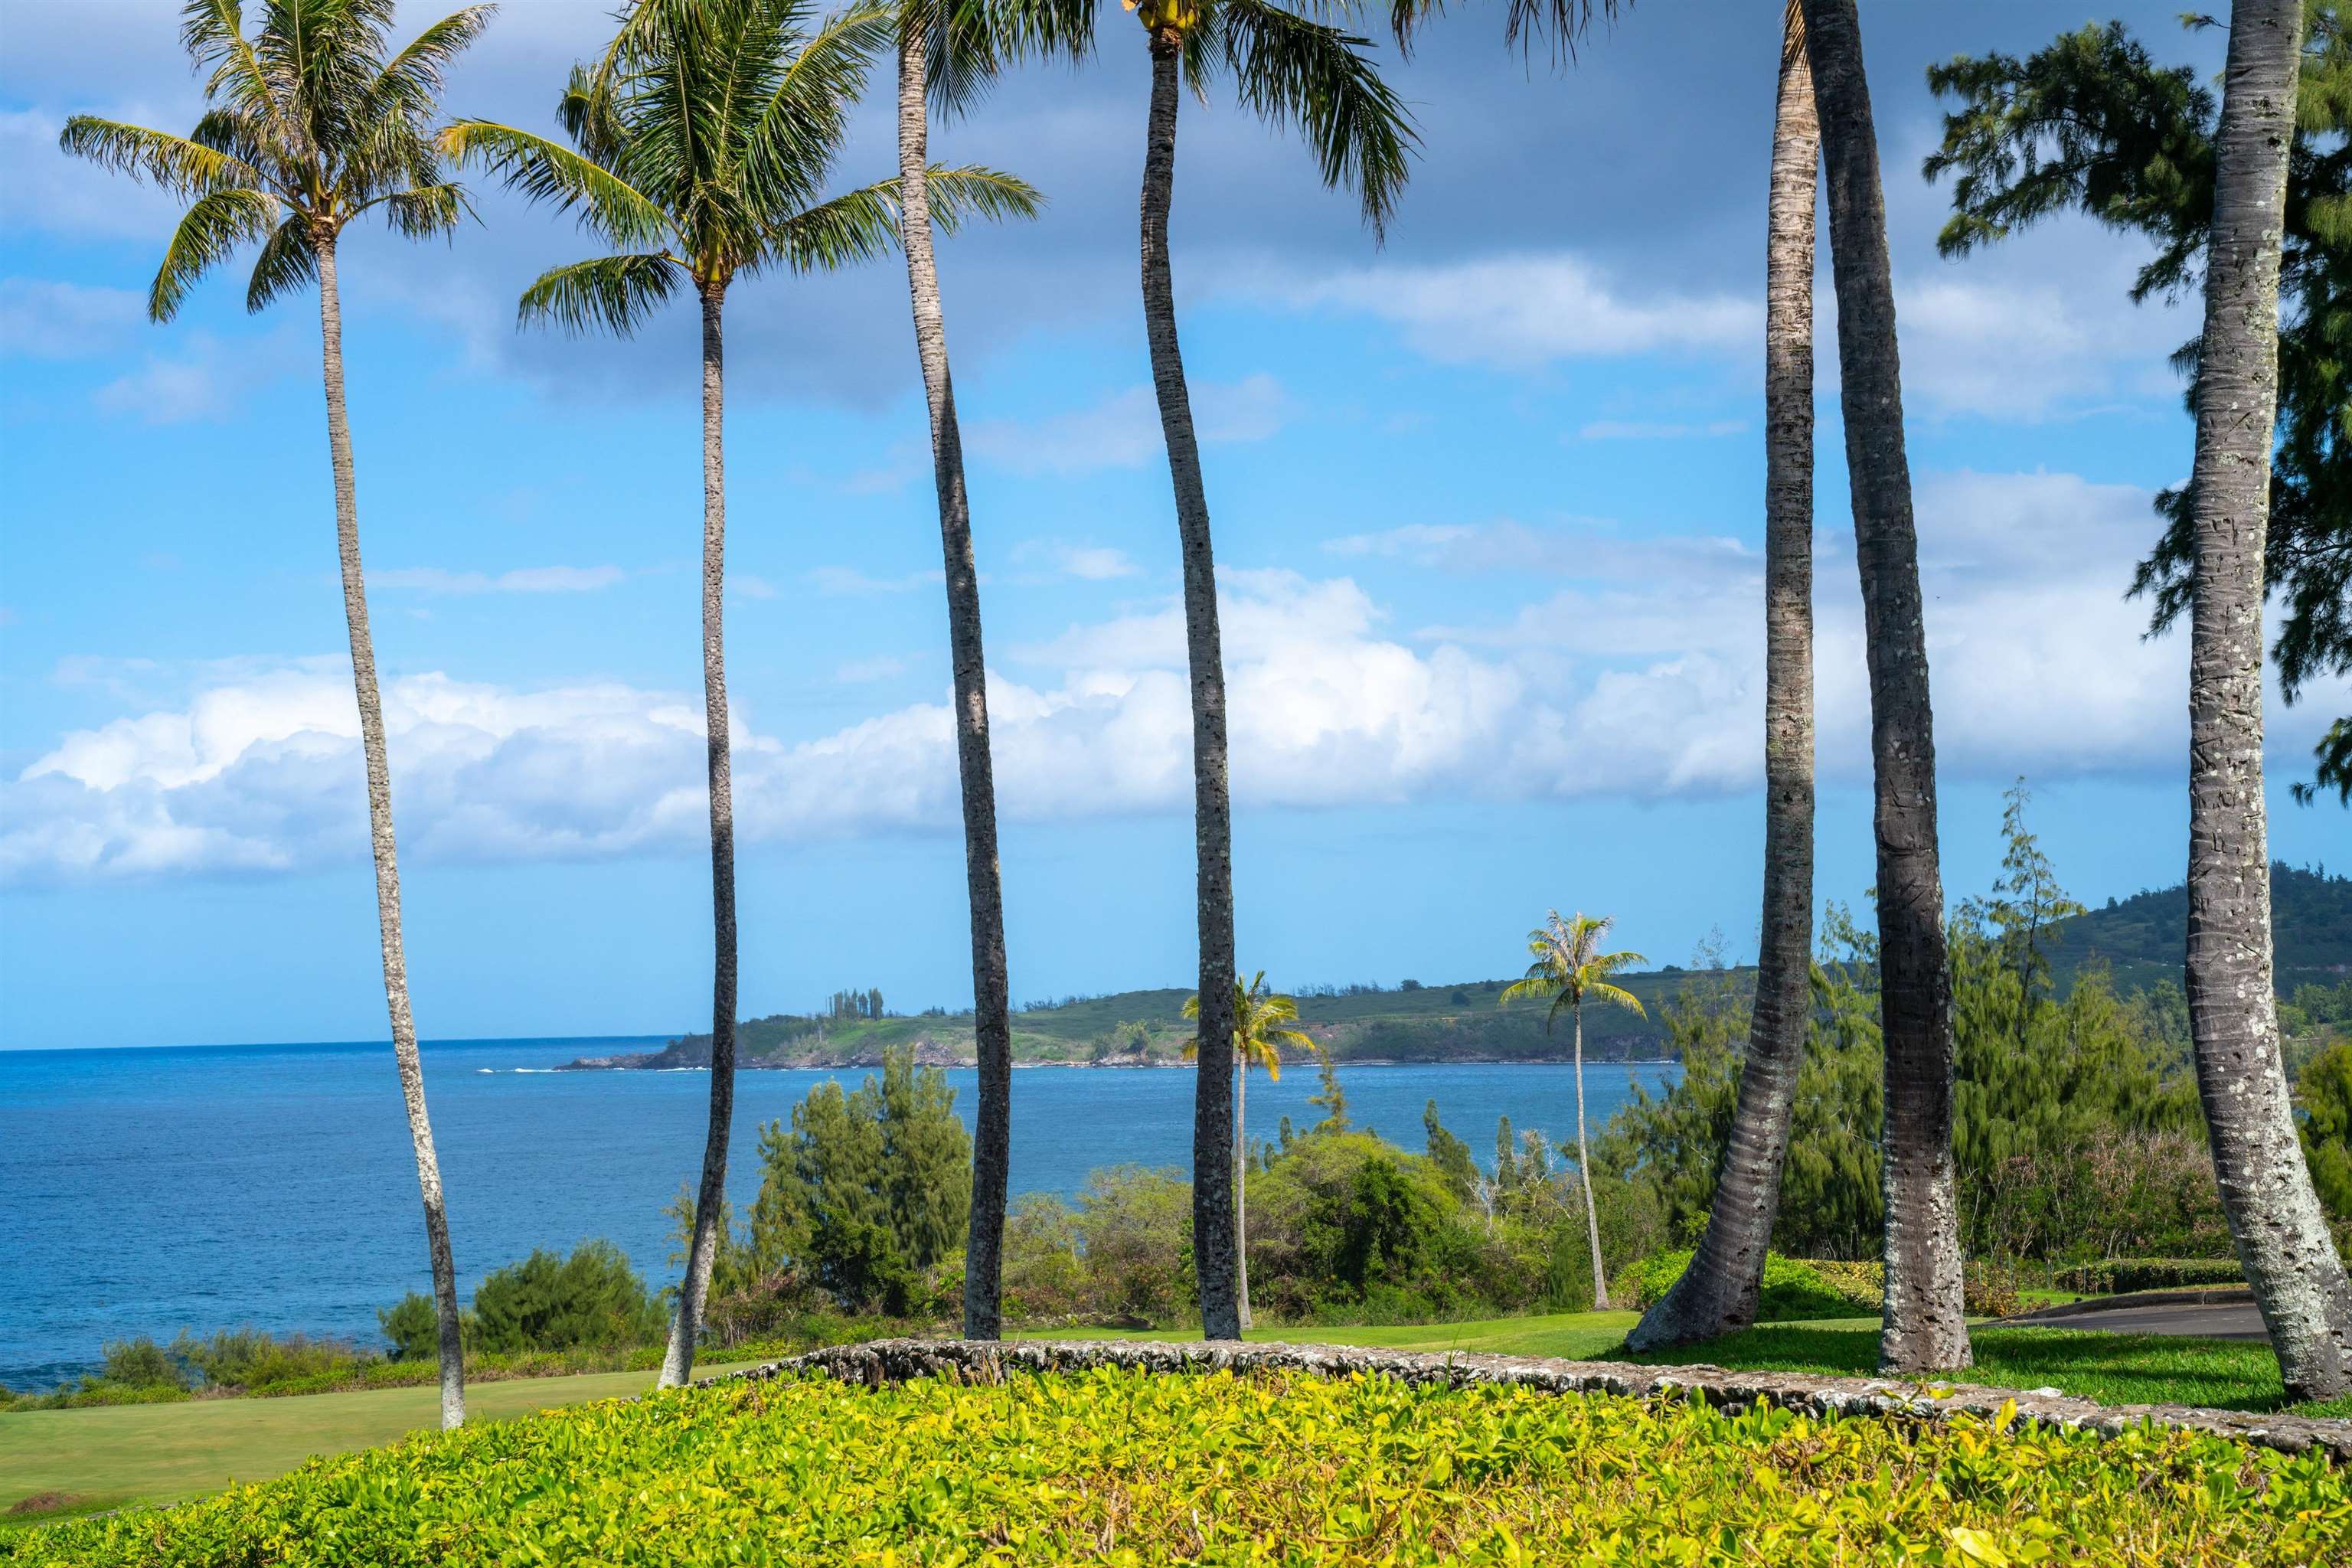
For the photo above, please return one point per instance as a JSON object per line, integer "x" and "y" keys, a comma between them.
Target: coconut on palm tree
{"x": 1293, "y": 70}
{"x": 312, "y": 123}
{"x": 1571, "y": 968}
{"x": 1720, "y": 1289}
{"x": 1259, "y": 1034}
{"x": 702, "y": 143}
{"x": 1924, "y": 1327}
{"x": 2274, "y": 1216}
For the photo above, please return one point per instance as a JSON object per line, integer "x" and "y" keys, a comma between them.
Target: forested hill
{"x": 2139, "y": 939}
{"x": 2143, "y": 938}
{"x": 1411, "y": 1022}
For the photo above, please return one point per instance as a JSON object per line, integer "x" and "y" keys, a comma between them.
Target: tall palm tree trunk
{"x": 1720, "y": 1290}
{"x": 387, "y": 856}
{"x": 2274, "y": 1218}
{"x": 983, "y": 1255}
{"x": 1584, "y": 1175}
{"x": 1214, "y": 1229}
{"x": 1240, "y": 1192}
{"x": 679, "y": 1364}
{"x": 1923, "y": 1327}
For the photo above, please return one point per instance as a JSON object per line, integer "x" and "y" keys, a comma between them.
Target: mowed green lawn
{"x": 159, "y": 1453}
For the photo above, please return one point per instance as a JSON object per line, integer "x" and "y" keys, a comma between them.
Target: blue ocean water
{"x": 144, "y": 1192}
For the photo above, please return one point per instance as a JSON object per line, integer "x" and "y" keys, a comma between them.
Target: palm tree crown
{"x": 1570, "y": 968}
{"x": 1258, "y": 1034}
{"x": 308, "y": 125}
{"x": 1287, "y": 69}
{"x": 704, "y": 140}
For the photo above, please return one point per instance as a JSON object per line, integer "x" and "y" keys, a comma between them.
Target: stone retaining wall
{"x": 973, "y": 1361}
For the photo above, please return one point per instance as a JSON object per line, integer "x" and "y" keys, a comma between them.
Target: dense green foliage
{"x": 1131, "y": 1467}
{"x": 2117, "y": 1276}
{"x": 1793, "y": 1289}
{"x": 2077, "y": 1135}
{"x": 591, "y": 1300}
{"x": 2091, "y": 124}
{"x": 2324, "y": 1096}
{"x": 862, "y": 1204}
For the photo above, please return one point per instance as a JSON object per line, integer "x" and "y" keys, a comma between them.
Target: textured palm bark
{"x": 677, "y": 1365}
{"x": 2275, "y": 1217}
{"x": 984, "y": 1258}
{"x": 1214, "y": 1228}
{"x": 386, "y": 853}
{"x": 1241, "y": 1194}
{"x": 1584, "y": 1175}
{"x": 1720, "y": 1290}
{"x": 1924, "y": 1327}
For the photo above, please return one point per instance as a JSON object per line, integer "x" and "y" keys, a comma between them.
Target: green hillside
{"x": 2143, "y": 938}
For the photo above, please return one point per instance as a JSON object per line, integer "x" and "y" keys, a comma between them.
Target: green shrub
{"x": 2118, "y": 1275}
{"x": 1134, "y": 1468}
{"x": 1792, "y": 1290}
{"x": 592, "y": 1299}
{"x": 248, "y": 1358}
{"x": 140, "y": 1363}
{"x": 414, "y": 1327}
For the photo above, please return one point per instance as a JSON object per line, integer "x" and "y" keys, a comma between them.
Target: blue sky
{"x": 1488, "y": 501}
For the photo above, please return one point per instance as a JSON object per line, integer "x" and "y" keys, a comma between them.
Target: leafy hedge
{"x": 1792, "y": 1290}
{"x": 2118, "y": 1275}
{"x": 1129, "y": 1467}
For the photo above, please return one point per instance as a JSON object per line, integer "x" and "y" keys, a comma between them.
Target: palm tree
{"x": 2274, "y": 1216}
{"x": 702, "y": 143}
{"x": 930, "y": 30}
{"x": 1570, "y": 967}
{"x": 311, "y": 123}
{"x": 1719, "y": 1291}
{"x": 1291, "y": 70}
{"x": 1923, "y": 1327}
{"x": 1258, "y": 1040}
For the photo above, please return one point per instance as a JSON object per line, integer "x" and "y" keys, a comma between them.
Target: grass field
{"x": 159, "y": 1453}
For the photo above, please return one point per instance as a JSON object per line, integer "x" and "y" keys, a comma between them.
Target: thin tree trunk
{"x": 1924, "y": 1327}
{"x": 1584, "y": 1174}
{"x": 991, "y": 1006}
{"x": 677, "y": 1365}
{"x": 1720, "y": 1290}
{"x": 1241, "y": 1190}
{"x": 2274, "y": 1218}
{"x": 387, "y": 856}
{"x": 1214, "y": 1229}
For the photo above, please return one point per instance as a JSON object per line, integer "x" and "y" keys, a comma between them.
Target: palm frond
{"x": 425, "y": 211}
{"x": 1024, "y": 30}
{"x": 213, "y": 227}
{"x": 213, "y": 34}
{"x": 545, "y": 170}
{"x": 616, "y": 293}
{"x": 1564, "y": 22}
{"x": 410, "y": 82}
{"x": 286, "y": 262}
{"x": 790, "y": 142}
{"x": 857, "y": 225}
{"x": 1289, "y": 68}
{"x": 1602, "y": 991}
{"x": 178, "y": 163}
{"x": 969, "y": 190}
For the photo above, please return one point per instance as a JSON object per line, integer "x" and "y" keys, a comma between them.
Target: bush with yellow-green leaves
{"x": 1123, "y": 1466}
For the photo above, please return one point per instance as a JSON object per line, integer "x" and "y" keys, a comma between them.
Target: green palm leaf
{"x": 1290, "y": 69}
{"x": 616, "y": 293}
{"x": 287, "y": 261}
{"x": 178, "y": 163}
{"x": 209, "y": 231}
{"x": 546, "y": 171}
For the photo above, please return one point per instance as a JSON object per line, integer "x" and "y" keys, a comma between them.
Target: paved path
{"x": 2230, "y": 1319}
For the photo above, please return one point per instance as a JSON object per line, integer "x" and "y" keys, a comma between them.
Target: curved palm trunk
{"x": 1584, "y": 1175}
{"x": 1923, "y": 1327}
{"x": 992, "y": 1015}
{"x": 1214, "y": 1229}
{"x": 1241, "y": 1193}
{"x": 2274, "y": 1218}
{"x": 387, "y": 859}
{"x": 679, "y": 1364}
{"x": 1720, "y": 1290}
